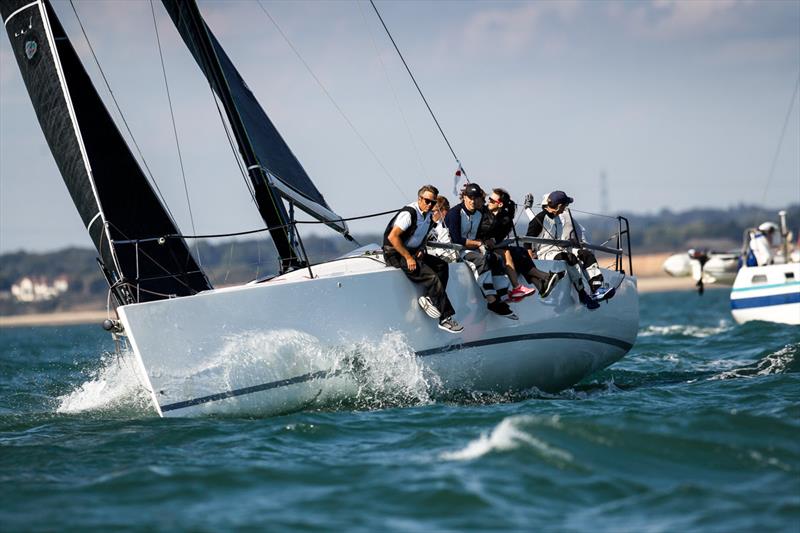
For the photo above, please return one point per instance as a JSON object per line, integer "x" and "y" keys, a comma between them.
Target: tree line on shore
{"x": 238, "y": 261}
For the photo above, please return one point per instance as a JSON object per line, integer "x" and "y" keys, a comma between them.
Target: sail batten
{"x": 107, "y": 186}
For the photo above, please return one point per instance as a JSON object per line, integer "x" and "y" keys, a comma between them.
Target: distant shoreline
{"x": 69, "y": 318}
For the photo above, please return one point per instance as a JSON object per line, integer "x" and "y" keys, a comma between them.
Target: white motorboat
{"x": 770, "y": 293}
{"x": 286, "y": 334}
{"x": 711, "y": 267}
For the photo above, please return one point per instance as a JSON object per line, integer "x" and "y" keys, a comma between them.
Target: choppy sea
{"x": 696, "y": 429}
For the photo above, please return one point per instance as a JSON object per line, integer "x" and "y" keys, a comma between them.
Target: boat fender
{"x": 113, "y": 326}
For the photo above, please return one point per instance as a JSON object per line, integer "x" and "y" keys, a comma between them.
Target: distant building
{"x": 38, "y": 289}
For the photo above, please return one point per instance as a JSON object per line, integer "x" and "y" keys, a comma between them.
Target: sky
{"x": 679, "y": 104}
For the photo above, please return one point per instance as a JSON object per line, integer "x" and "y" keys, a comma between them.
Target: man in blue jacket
{"x": 463, "y": 222}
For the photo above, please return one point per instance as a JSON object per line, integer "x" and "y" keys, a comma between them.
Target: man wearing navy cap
{"x": 462, "y": 222}
{"x": 555, "y": 222}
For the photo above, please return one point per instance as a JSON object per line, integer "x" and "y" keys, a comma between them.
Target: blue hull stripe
{"x": 772, "y": 286}
{"x": 766, "y": 301}
{"x": 530, "y": 336}
{"x": 422, "y": 353}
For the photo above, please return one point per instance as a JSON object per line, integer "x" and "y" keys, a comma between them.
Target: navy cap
{"x": 557, "y": 198}
{"x": 473, "y": 190}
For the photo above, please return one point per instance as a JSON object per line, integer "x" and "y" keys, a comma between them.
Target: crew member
{"x": 463, "y": 222}
{"x": 555, "y": 222}
{"x": 496, "y": 223}
{"x": 761, "y": 244}
{"x": 403, "y": 247}
{"x": 440, "y": 233}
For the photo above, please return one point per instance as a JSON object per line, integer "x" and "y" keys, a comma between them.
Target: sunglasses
{"x": 428, "y": 200}
{"x": 493, "y": 201}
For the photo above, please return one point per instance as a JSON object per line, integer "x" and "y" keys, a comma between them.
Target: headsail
{"x": 123, "y": 215}
{"x": 270, "y": 160}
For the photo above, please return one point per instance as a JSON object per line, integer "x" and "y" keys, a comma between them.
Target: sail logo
{"x": 31, "y": 47}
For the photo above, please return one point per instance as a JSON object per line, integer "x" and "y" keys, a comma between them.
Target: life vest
{"x": 406, "y": 234}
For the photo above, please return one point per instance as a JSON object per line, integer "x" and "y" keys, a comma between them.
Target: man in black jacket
{"x": 403, "y": 248}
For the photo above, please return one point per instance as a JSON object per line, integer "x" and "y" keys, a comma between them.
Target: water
{"x": 698, "y": 428}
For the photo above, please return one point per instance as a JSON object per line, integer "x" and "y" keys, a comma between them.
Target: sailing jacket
{"x": 462, "y": 224}
{"x": 495, "y": 226}
{"x": 760, "y": 246}
{"x": 439, "y": 233}
{"x": 415, "y": 226}
{"x": 548, "y": 226}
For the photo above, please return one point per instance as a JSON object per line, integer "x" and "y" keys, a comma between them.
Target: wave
{"x": 512, "y": 433}
{"x": 783, "y": 361}
{"x": 115, "y": 387}
{"x": 369, "y": 375}
{"x": 687, "y": 330}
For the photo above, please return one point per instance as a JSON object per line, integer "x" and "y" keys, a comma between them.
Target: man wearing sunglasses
{"x": 403, "y": 248}
{"x": 497, "y": 225}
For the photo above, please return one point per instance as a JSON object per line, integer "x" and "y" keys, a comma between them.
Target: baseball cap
{"x": 473, "y": 190}
{"x": 557, "y": 198}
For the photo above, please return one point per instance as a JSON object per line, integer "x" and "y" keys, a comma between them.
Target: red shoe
{"x": 518, "y": 293}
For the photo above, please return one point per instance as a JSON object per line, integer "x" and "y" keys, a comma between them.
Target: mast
{"x": 119, "y": 208}
{"x": 190, "y": 23}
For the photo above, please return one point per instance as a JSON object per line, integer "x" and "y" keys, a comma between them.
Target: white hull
{"x": 287, "y": 337}
{"x": 769, "y": 293}
{"x": 721, "y": 268}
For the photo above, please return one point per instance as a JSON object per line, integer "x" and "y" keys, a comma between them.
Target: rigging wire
{"x": 460, "y": 166}
{"x": 260, "y": 230}
{"x": 175, "y": 129}
{"x": 330, "y": 97}
{"x": 119, "y": 110}
{"x": 226, "y": 128}
{"x": 394, "y": 93}
{"x": 780, "y": 140}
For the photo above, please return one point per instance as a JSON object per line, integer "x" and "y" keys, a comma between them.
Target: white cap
{"x": 768, "y": 226}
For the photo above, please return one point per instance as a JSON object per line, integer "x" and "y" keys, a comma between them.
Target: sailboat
{"x": 183, "y": 332}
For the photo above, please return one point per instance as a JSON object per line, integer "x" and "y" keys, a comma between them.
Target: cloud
{"x": 510, "y": 30}
{"x": 673, "y": 19}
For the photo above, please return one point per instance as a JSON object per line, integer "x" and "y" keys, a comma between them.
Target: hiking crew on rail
{"x": 404, "y": 247}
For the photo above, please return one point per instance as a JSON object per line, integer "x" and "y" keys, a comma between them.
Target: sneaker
{"x": 520, "y": 292}
{"x": 604, "y": 293}
{"x": 587, "y": 301}
{"x": 450, "y": 325}
{"x": 502, "y": 309}
{"x": 550, "y": 284}
{"x": 427, "y": 305}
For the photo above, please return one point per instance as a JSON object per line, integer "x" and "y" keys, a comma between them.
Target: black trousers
{"x": 432, "y": 273}
{"x": 525, "y": 266}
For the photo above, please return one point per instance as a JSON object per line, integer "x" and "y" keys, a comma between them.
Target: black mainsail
{"x": 118, "y": 206}
{"x": 273, "y": 169}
